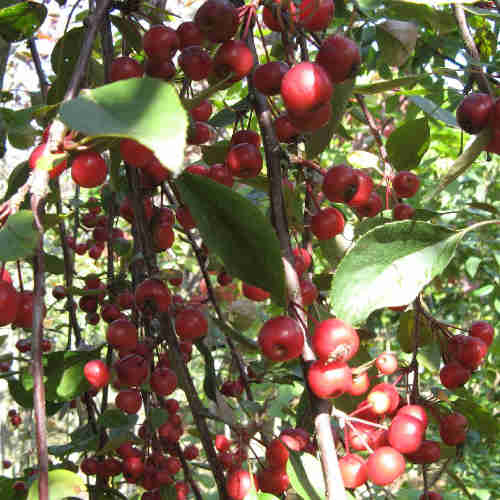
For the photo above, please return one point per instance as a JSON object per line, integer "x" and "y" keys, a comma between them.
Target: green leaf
{"x": 53, "y": 264}
{"x": 320, "y": 139}
{"x": 67, "y": 50}
{"x": 129, "y": 32}
{"x": 461, "y": 164}
{"x": 113, "y": 417}
{"x": 20, "y": 21}
{"x": 407, "y": 144}
{"x": 430, "y": 357}
{"x": 389, "y": 266}
{"x": 62, "y": 484}
{"x": 434, "y": 111}
{"x": 480, "y": 419}
{"x": 303, "y": 482}
{"x": 406, "y": 331}
{"x": 18, "y": 237}
{"x": 237, "y": 232}
{"x": 157, "y": 417}
{"x": 215, "y": 153}
{"x": 145, "y": 109}
{"x": 384, "y": 85}
{"x": 228, "y": 115}
{"x": 24, "y": 398}
{"x": 17, "y": 178}
{"x": 472, "y": 265}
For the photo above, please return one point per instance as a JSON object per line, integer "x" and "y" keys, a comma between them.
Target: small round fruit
{"x": 134, "y": 153}
{"x": 402, "y": 211}
{"x": 360, "y": 384}
{"x": 238, "y": 484}
{"x": 335, "y": 340}
{"x": 353, "y": 469}
{"x": 122, "y": 334}
{"x": 473, "y": 113}
{"x": 376, "y": 396}
{"x": 217, "y": 20}
{"x": 244, "y": 160}
{"x": 327, "y": 223}
{"x": 431, "y": 495}
{"x": 405, "y": 184}
{"x": 305, "y": 87}
{"x": 97, "y": 373}
{"x": 152, "y": 296}
{"x": 202, "y": 112}
{"x": 245, "y": 135}
{"x": 340, "y": 183}
{"x": 453, "y": 429}
{"x": 329, "y": 380}
{"x": 406, "y": 433}
{"x": 316, "y": 15}
{"x": 129, "y": 401}
{"x": 281, "y": 339}
{"x": 340, "y": 57}
{"x": 56, "y": 171}
{"x": 255, "y": 293}
{"x": 125, "y": 67}
{"x": 190, "y": 324}
{"x": 428, "y": 453}
{"x": 233, "y": 58}
{"x": 267, "y": 77}
{"x": 416, "y": 411}
{"x": 372, "y": 206}
{"x": 163, "y": 381}
{"x": 196, "y": 63}
{"x": 277, "y": 453}
{"x": 160, "y": 42}
{"x": 385, "y": 465}
{"x": 132, "y": 370}
{"x": 10, "y": 301}
{"x": 453, "y": 375}
{"x": 386, "y": 363}
{"x": 482, "y": 330}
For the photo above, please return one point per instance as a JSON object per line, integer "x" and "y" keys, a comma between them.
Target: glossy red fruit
{"x": 281, "y": 339}
{"x": 132, "y": 370}
{"x": 335, "y": 340}
{"x": 10, "y": 301}
{"x": 386, "y": 363}
{"x": 122, "y": 334}
{"x": 200, "y": 133}
{"x": 360, "y": 384}
{"x": 245, "y": 135}
{"x": 163, "y": 237}
{"x": 474, "y": 112}
{"x": 364, "y": 188}
{"x": 340, "y": 183}
{"x": 160, "y": 42}
{"x": 238, "y": 484}
{"x": 202, "y": 112}
{"x": 482, "y": 330}
{"x": 302, "y": 260}
{"x": 391, "y": 395}
{"x": 219, "y": 172}
{"x": 163, "y": 69}
{"x": 217, "y": 20}
{"x": 277, "y": 453}
{"x": 309, "y": 291}
{"x": 402, "y": 211}
{"x": 416, "y": 411}
{"x": 329, "y": 380}
{"x": 327, "y": 223}
{"x": 385, "y": 465}
{"x": 190, "y": 452}
{"x": 244, "y": 160}
{"x": 274, "y": 481}
{"x": 125, "y": 67}
{"x": 89, "y": 466}
{"x": 163, "y": 381}
{"x": 296, "y": 438}
{"x": 233, "y": 58}
{"x": 24, "y": 316}
{"x": 428, "y": 453}
{"x": 453, "y": 429}
{"x": 152, "y": 296}
{"x": 189, "y": 34}
{"x": 134, "y": 153}
{"x": 285, "y": 130}
{"x": 316, "y": 15}
{"x": 255, "y": 293}
{"x": 129, "y": 401}
{"x": 190, "y": 324}
{"x": 472, "y": 352}
{"x": 340, "y": 57}
{"x": 311, "y": 120}
{"x": 97, "y": 373}
{"x": 405, "y": 184}
{"x": 133, "y": 466}
{"x": 453, "y": 375}
{"x": 196, "y": 62}
{"x": 406, "y": 433}
{"x": 372, "y": 206}
{"x": 267, "y": 77}
{"x": 353, "y": 469}
{"x": 305, "y": 87}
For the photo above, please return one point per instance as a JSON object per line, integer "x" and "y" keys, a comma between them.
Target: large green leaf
{"x": 433, "y": 110}
{"x": 384, "y": 85}
{"x": 145, "y": 109}
{"x": 237, "y": 232}
{"x": 320, "y": 139}
{"x": 129, "y": 31}
{"x": 113, "y": 417}
{"x": 389, "y": 266}
{"x": 20, "y": 21}
{"x": 17, "y": 178}
{"x": 18, "y": 237}
{"x": 305, "y": 483}
{"x": 62, "y": 484}
{"x": 407, "y": 144}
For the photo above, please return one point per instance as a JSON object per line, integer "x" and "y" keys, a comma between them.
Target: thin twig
{"x": 35, "y": 55}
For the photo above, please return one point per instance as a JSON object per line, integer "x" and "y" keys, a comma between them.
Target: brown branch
{"x": 187, "y": 473}
{"x": 471, "y": 48}
{"x": 320, "y": 408}
{"x": 35, "y": 55}
{"x": 37, "y": 367}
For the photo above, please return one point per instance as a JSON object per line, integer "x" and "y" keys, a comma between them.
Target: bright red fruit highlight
{"x": 281, "y": 339}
